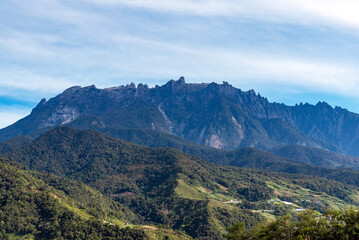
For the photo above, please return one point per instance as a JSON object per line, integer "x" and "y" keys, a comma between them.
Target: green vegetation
{"x": 12, "y": 144}
{"x": 86, "y": 201}
{"x": 316, "y": 156}
{"x": 302, "y": 160}
{"x": 333, "y": 225}
{"x": 92, "y": 186}
{"x": 31, "y": 208}
{"x": 169, "y": 189}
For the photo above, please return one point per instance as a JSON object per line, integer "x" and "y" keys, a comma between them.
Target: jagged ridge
{"x": 216, "y": 115}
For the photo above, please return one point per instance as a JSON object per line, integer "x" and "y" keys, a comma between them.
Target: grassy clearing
{"x": 155, "y": 233}
{"x": 303, "y": 195}
{"x": 185, "y": 190}
{"x": 268, "y": 216}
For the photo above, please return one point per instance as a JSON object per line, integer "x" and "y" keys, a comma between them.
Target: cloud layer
{"x": 296, "y": 11}
{"x": 303, "y": 50}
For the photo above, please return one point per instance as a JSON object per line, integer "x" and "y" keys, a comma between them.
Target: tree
{"x": 237, "y": 232}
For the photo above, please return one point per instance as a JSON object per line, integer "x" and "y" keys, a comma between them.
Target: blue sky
{"x": 290, "y": 51}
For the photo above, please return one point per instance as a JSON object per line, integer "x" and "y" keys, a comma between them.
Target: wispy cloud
{"x": 216, "y": 64}
{"x": 9, "y": 115}
{"x": 25, "y": 80}
{"x": 34, "y": 45}
{"x": 59, "y": 11}
{"x": 304, "y": 45}
{"x": 300, "y": 11}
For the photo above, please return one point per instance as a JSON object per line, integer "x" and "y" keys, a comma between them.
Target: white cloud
{"x": 217, "y": 64}
{"x": 298, "y": 11}
{"x": 90, "y": 44}
{"x": 113, "y": 52}
{"x": 25, "y": 44}
{"x": 60, "y": 11}
{"x": 10, "y": 115}
{"x": 25, "y": 80}
{"x": 340, "y": 12}
{"x": 315, "y": 76}
{"x": 201, "y": 7}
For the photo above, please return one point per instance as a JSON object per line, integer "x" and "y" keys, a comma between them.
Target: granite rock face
{"x": 217, "y": 115}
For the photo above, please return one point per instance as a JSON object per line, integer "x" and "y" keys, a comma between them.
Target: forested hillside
{"x": 289, "y": 159}
{"x": 12, "y": 144}
{"x": 167, "y": 187}
{"x": 316, "y": 156}
{"x": 66, "y": 210}
{"x": 309, "y": 224}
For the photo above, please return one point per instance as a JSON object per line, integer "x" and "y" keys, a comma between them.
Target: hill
{"x": 290, "y": 155}
{"x": 12, "y": 144}
{"x": 316, "y": 156}
{"x": 216, "y": 115}
{"x": 244, "y": 157}
{"x": 63, "y": 209}
{"x": 167, "y": 187}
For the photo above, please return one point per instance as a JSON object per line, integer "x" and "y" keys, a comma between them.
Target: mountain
{"x": 164, "y": 186}
{"x": 217, "y": 115}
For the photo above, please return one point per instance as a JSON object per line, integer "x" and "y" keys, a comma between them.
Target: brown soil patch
{"x": 152, "y": 228}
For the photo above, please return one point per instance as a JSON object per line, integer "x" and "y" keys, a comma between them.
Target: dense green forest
{"x": 295, "y": 160}
{"x": 12, "y": 144}
{"x": 35, "y": 205}
{"x": 333, "y": 225}
{"x": 170, "y": 189}
{"x": 31, "y": 208}
{"x": 316, "y": 156}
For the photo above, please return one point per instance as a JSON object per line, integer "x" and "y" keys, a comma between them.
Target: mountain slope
{"x": 145, "y": 179}
{"x": 29, "y": 206}
{"x": 316, "y": 156}
{"x": 245, "y": 157}
{"x": 12, "y": 144}
{"x": 216, "y": 115}
{"x": 166, "y": 186}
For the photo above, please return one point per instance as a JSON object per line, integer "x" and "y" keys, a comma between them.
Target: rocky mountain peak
{"x": 142, "y": 86}
{"x": 132, "y": 85}
{"x": 175, "y": 85}
{"x": 208, "y": 113}
{"x": 71, "y": 90}
{"x": 324, "y": 105}
{"x": 40, "y": 104}
{"x": 181, "y": 80}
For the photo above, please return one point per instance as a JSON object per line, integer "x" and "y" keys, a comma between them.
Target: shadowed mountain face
{"x": 316, "y": 156}
{"x": 216, "y": 115}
